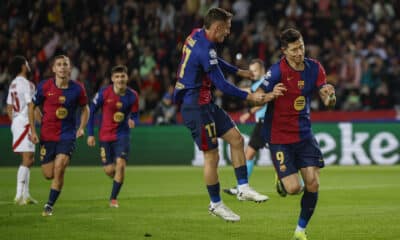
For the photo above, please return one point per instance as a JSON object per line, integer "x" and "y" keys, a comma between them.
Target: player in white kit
{"x": 19, "y": 96}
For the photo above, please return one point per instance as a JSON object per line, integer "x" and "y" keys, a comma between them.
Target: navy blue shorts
{"x": 50, "y": 149}
{"x": 206, "y": 123}
{"x": 289, "y": 158}
{"x": 256, "y": 140}
{"x": 110, "y": 151}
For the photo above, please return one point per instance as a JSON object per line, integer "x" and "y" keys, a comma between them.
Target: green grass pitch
{"x": 171, "y": 203}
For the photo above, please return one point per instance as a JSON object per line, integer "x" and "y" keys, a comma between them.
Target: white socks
{"x": 242, "y": 187}
{"x": 22, "y": 182}
{"x": 25, "y": 191}
{"x": 214, "y": 205}
{"x": 299, "y": 229}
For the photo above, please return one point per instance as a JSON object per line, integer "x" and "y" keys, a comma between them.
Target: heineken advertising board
{"x": 342, "y": 143}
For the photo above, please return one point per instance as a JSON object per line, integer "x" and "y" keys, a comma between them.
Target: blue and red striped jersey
{"x": 199, "y": 67}
{"x": 116, "y": 110}
{"x": 287, "y": 119}
{"x": 59, "y": 109}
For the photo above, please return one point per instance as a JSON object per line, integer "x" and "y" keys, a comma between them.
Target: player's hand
{"x": 243, "y": 118}
{"x": 279, "y": 90}
{"x": 245, "y": 74}
{"x": 91, "y": 141}
{"x": 258, "y": 98}
{"x": 33, "y": 137}
{"x": 80, "y": 132}
{"x": 328, "y": 96}
{"x": 131, "y": 123}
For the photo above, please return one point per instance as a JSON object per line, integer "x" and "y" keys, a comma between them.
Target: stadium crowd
{"x": 358, "y": 43}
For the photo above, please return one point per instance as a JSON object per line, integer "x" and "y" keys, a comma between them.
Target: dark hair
{"x": 257, "y": 60}
{"x": 119, "y": 69}
{"x": 59, "y": 57}
{"x": 289, "y": 35}
{"x": 16, "y": 64}
{"x": 216, "y": 14}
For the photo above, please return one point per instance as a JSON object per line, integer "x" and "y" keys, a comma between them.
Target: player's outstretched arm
{"x": 245, "y": 74}
{"x": 327, "y": 95}
{"x": 226, "y": 87}
{"x": 84, "y": 119}
{"x": 263, "y": 98}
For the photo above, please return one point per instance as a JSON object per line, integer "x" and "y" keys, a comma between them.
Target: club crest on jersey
{"x": 118, "y": 117}
{"x": 118, "y": 105}
{"x": 299, "y": 103}
{"x": 61, "y": 99}
{"x": 300, "y": 84}
{"x": 61, "y": 113}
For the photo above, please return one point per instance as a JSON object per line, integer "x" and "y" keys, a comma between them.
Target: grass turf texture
{"x": 171, "y": 203}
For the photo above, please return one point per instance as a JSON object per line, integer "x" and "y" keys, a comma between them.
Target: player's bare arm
{"x": 243, "y": 118}
{"x": 9, "y": 111}
{"x": 38, "y": 116}
{"x": 279, "y": 90}
{"x": 84, "y": 119}
{"x": 31, "y": 115}
{"x": 327, "y": 94}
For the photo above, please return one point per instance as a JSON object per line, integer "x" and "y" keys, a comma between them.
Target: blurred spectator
{"x": 357, "y": 41}
{"x": 165, "y": 112}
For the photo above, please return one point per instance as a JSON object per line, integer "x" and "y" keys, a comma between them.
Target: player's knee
{"x": 48, "y": 175}
{"x": 238, "y": 142}
{"x": 109, "y": 170}
{"x": 312, "y": 186}
{"x": 293, "y": 188}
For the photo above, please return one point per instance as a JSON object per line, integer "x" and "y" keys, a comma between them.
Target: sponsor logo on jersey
{"x": 61, "y": 113}
{"x": 118, "y": 117}
{"x": 299, "y": 103}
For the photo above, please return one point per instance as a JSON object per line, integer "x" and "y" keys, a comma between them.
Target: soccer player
{"x": 256, "y": 141}
{"x": 287, "y": 125}
{"x": 60, "y": 97}
{"x": 19, "y": 96}
{"x": 199, "y": 69}
{"x": 119, "y": 106}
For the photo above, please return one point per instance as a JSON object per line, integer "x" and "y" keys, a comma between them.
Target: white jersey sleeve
{"x": 19, "y": 96}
